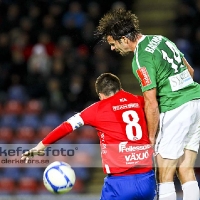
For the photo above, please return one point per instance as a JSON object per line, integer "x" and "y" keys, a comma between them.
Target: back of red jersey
{"x": 122, "y": 130}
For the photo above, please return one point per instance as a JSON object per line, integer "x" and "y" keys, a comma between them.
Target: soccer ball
{"x": 59, "y": 177}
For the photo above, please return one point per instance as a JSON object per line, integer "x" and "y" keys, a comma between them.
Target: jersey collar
{"x": 140, "y": 40}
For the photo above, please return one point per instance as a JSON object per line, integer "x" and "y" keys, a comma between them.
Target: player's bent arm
{"x": 190, "y": 69}
{"x": 152, "y": 113}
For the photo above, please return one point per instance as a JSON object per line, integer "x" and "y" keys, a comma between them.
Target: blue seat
{"x": 11, "y": 172}
{"x": 33, "y": 172}
{"x": 51, "y": 120}
{"x": 30, "y": 120}
{"x": 9, "y": 120}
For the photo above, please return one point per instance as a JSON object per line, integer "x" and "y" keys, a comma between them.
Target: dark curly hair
{"x": 118, "y": 23}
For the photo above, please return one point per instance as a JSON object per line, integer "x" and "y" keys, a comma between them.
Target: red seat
{"x": 79, "y": 186}
{"x": 13, "y": 107}
{"x": 7, "y": 186}
{"x": 25, "y": 134}
{"x": 6, "y": 135}
{"x": 43, "y": 132}
{"x": 89, "y": 134}
{"x": 33, "y": 106}
{"x": 27, "y": 185}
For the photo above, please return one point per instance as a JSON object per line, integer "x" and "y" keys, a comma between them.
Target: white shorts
{"x": 179, "y": 130}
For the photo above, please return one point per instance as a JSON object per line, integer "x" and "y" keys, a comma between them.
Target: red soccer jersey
{"x": 122, "y": 130}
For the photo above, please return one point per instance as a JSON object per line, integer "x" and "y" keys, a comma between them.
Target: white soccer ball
{"x": 59, "y": 177}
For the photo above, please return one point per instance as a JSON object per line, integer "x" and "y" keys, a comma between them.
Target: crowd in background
{"x": 48, "y": 52}
{"x": 49, "y": 61}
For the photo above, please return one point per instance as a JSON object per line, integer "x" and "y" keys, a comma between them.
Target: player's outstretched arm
{"x": 55, "y": 135}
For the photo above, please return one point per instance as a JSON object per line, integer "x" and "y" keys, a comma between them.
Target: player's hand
{"x": 37, "y": 150}
{"x": 31, "y": 153}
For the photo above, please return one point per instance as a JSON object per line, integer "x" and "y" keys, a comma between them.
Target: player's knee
{"x": 165, "y": 175}
{"x": 185, "y": 174}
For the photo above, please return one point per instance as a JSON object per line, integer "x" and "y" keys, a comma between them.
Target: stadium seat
{"x": 82, "y": 173}
{"x": 13, "y": 107}
{"x": 9, "y": 120}
{"x": 33, "y": 172}
{"x": 79, "y": 186}
{"x": 7, "y": 186}
{"x": 42, "y": 132}
{"x": 11, "y": 173}
{"x": 51, "y": 119}
{"x": 30, "y": 120}
{"x": 88, "y": 135}
{"x": 17, "y": 92}
{"x": 6, "y": 135}
{"x": 27, "y": 185}
{"x": 33, "y": 106}
{"x": 41, "y": 189}
{"x": 24, "y": 134}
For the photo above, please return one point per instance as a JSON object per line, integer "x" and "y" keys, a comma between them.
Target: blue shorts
{"x": 129, "y": 187}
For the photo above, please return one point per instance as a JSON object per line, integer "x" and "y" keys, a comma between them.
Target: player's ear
{"x": 102, "y": 96}
{"x": 125, "y": 39}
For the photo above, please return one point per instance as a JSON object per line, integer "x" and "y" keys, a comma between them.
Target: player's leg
{"x": 165, "y": 170}
{"x": 186, "y": 175}
{"x": 169, "y": 147}
{"x": 185, "y": 170}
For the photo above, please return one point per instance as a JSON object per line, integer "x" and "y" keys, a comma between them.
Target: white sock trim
{"x": 166, "y": 188}
{"x": 189, "y": 183}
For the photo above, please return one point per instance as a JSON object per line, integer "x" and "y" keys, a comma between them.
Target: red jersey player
{"x": 125, "y": 147}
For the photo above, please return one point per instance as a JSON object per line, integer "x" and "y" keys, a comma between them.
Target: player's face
{"x": 120, "y": 46}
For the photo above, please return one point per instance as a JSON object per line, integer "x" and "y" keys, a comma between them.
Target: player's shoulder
{"x": 92, "y": 106}
{"x": 131, "y": 95}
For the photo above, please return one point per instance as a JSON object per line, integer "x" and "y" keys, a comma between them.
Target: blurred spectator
{"x": 94, "y": 12}
{"x": 16, "y": 90}
{"x": 87, "y": 34}
{"x": 44, "y": 38}
{"x": 55, "y": 9}
{"x": 76, "y": 92}
{"x": 118, "y": 5}
{"x": 18, "y": 66}
{"x": 74, "y": 17}
{"x": 196, "y": 49}
{"x": 39, "y": 61}
{"x": 11, "y": 19}
{"x": 73, "y": 20}
{"x": 54, "y": 97}
{"x": 5, "y": 55}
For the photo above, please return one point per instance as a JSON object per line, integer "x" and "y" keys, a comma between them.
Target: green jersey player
{"x": 159, "y": 64}
{"x": 172, "y": 99}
